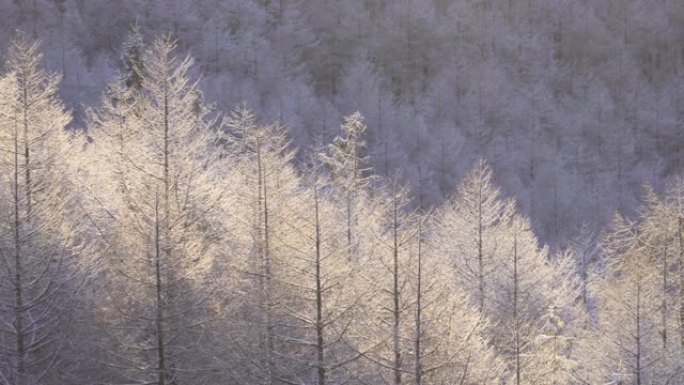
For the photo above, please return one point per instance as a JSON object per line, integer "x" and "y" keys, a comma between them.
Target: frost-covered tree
{"x": 422, "y": 326}
{"x": 389, "y": 325}
{"x": 327, "y": 292}
{"x": 448, "y": 334}
{"x": 625, "y": 328}
{"x": 265, "y": 190}
{"x": 154, "y": 199}
{"x": 584, "y": 246}
{"x": 40, "y": 276}
{"x": 674, "y": 201}
{"x": 472, "y": 219}
{"x": 347, "y": 163}
{"x": 526, "y": 297}
{"x": 628, "y": 340}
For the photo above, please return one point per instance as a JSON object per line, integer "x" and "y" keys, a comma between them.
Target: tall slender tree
{"x": 40, "y": 274}
{"x": 473, "y": 217}
{"x": 155, "y": 200}
{"x": 266, "y": 189}
{"x": 347, "y": 164}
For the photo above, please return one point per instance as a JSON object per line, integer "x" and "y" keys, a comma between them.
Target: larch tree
{"x": 584, "y": 247}
{"x": 625, "y": 342}
{"x": 658, "y": 244}
{"x": 154, "y": 198}
{"x": 40, "y": 277}
{"x": 561, "y": 323}
{"x": 674, "y": 202}
{"x": 472, "y": 219}
{"x": 421, "y": 326}
{"x": 347, "y": 164}
{"x": 389, "y": 318}
{"x": 525, "y": 292}
{"x": 448, "y": 334}
{"x": 326, "y": 293}
{"x": 265, "y": 188}
{"x": 657, "y": 240}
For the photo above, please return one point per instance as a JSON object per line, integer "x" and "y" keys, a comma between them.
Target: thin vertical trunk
{"x": 480, "y": 254}
{"x": 515, "y": 305}
{"x": 266, "y": 261}
{"x": 18, "y": 271}
{"x": 395, "y": 294}
{"x": 349, "y": 225}
{"x": 27, "y": 155}
{"x": 166, "y": 167}
{"x": 419, "y": 296}
{"x": 320, "y": 358}
{"x": 664, "y": 302}
{"x": 159, "y": 320}
{"x": 638, "y": 328}
{"x": 351, "y": 195}
{"x": 584, "y": 280}
{"x": 163, "y": 236}
{"x": 681, "y": 280}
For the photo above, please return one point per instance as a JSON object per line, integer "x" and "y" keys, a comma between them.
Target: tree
{"x": 346, "y": 162}
{"x": 154, "y": 198}
{"x": 561, "y": 324}
{"x": 266, "y": 186}
{"x": 421, "y": 326}
{"x": 327, "y": 294}
{"x": 527, "y": 298}
{"x": 448, "y": 335}
{"x": 472, "y": 219}
{"x": 133, "y": 59}
{"x": 41, "y": 276}
{"x": 585, "y": 249}
{"x": 388, "y": 327}
{"x": 675, "y": 207}
{"x": 625, "y": 343}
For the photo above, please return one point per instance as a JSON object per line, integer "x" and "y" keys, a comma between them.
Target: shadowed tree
{"x": 39, "y": 277}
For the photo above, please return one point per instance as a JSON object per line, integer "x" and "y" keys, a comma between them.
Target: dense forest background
{"x": 341, "y": 193}
{"x": 575, "y": 104}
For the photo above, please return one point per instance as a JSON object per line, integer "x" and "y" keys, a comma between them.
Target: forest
{"x": 170, "y": 243}
{"x": 573, "y": 103}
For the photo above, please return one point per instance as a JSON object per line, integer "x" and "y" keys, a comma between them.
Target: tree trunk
{"x": 419, "y": 296}
{"x": 320, "y": 359}
{"x": 681, "y": 280}
{"x": 638, "y": 329}
{"x": 266, "y": 267}
{"x": 18, "y": 270}
{"x": 159, "y": 320}
{"x": 664, "y": 302}
{"x": 515, "y": 305}
{"x": 480, "y": 253}
{"x": 395, "y": 295}
{"x": 27, "y": 154}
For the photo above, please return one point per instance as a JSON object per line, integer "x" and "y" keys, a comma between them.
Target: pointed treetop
{"x": 133, "y": 52}
{"x": 344, "y": 157}
{"x": 24, "y": 55}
